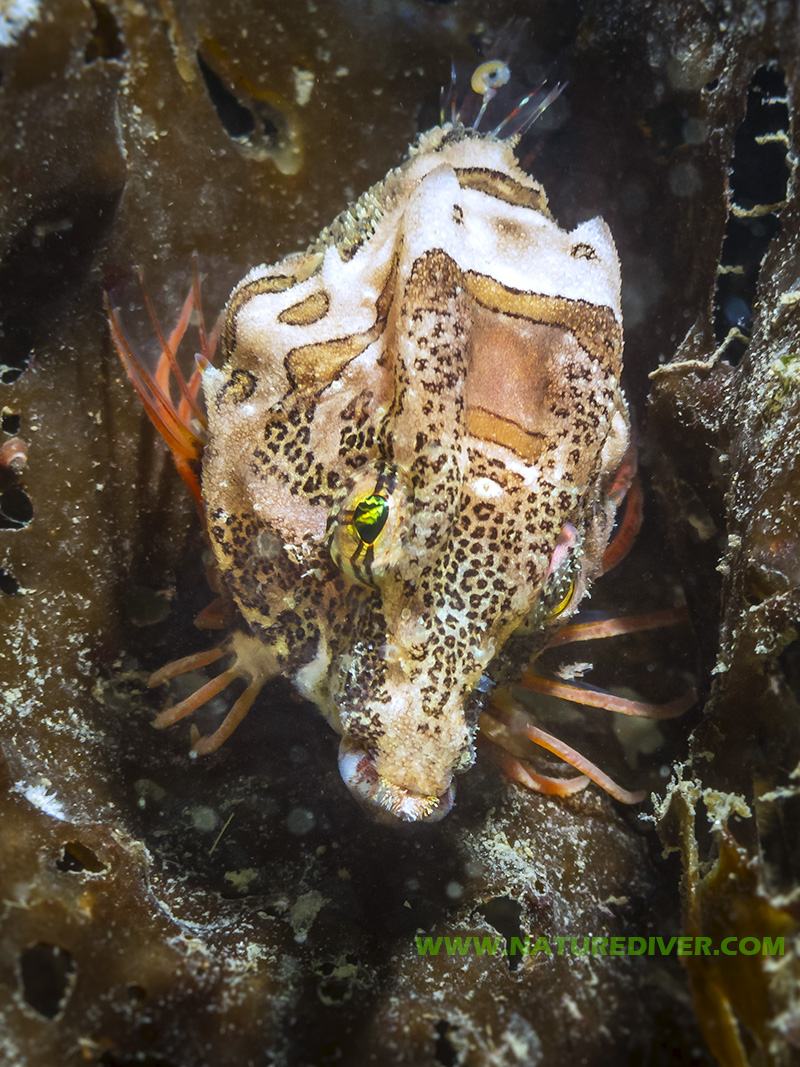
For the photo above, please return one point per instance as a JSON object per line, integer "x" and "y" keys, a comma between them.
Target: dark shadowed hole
{"x": 105, "y": 41}
{"x": 760, "y": 171}
{"x": 78, "y": 857}
{"x": 334, "y": 990}
{"x": 445, "y": 1051}
{"x": 758, "y": 177}
{"x": 16, "y": 509}
{"x": 136, "y": 993}
{"x": 8, "y": 583}
{"x": 46, "y": 972}
{"x": 10, "y": 422}
{"x": 237, "y": 119}
{"x": 16, "y": 350}
{"x": 504, "y": 914}
{"x": 268, "y": 117}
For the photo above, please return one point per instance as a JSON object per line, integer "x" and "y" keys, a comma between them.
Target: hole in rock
{"x": 16, "y": 509}
{"x": 335, "y": 990}
{"x": 237, "y": 120}
{"x": 256, "y": 126}
{"x": 504, "y": 914}
{"x": 79, "y": 857}
{"x": 445, "y": 1051}
{"x": 8, "y": 583}
{"x": 16, "y": 351}
{"x": 10, "y": 422}
{"x": 47, "y": 973}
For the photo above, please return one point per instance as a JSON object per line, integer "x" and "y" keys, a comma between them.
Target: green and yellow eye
{"x": 367, "y": 522}
{"x": 369, "y": 517}
{"x": 546, "y": 609}
{"x": 563, "y": 604}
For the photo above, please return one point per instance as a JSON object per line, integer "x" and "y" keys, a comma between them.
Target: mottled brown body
{"x": 448, "y": 354}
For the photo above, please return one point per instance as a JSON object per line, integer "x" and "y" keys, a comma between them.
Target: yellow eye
{"x": 490, "y": 76}
{"x": 563, "y": 604}
{"x": 367, "y": 522}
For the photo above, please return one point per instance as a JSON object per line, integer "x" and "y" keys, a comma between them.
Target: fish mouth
{"x": 384, "y": 797}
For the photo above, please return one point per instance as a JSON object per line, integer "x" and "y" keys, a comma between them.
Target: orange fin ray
{"x": 622, "y": 542}
{"x": 169, "y": 716}
{"x": 177, "y": 421}
{"x": 188, "y": 663}
{"x": 169, "y": 354}
{"x": 179, "y": 436}
{"x": 520, "y": 771}
{"x": 598, "y": 698}
{"x": 164, "y": 365}
{"x": 214, "y": 616}
{"x": 248, "y": 665}
{"x": 628, "y": 624}
{"x": 203, "y": 745}
{"x": 514, "y": 721}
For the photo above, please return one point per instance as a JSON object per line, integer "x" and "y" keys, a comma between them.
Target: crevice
{"x": 758, "y": 179}
{"x": 237, "y": 120}
{"x": 105, "y": 40}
